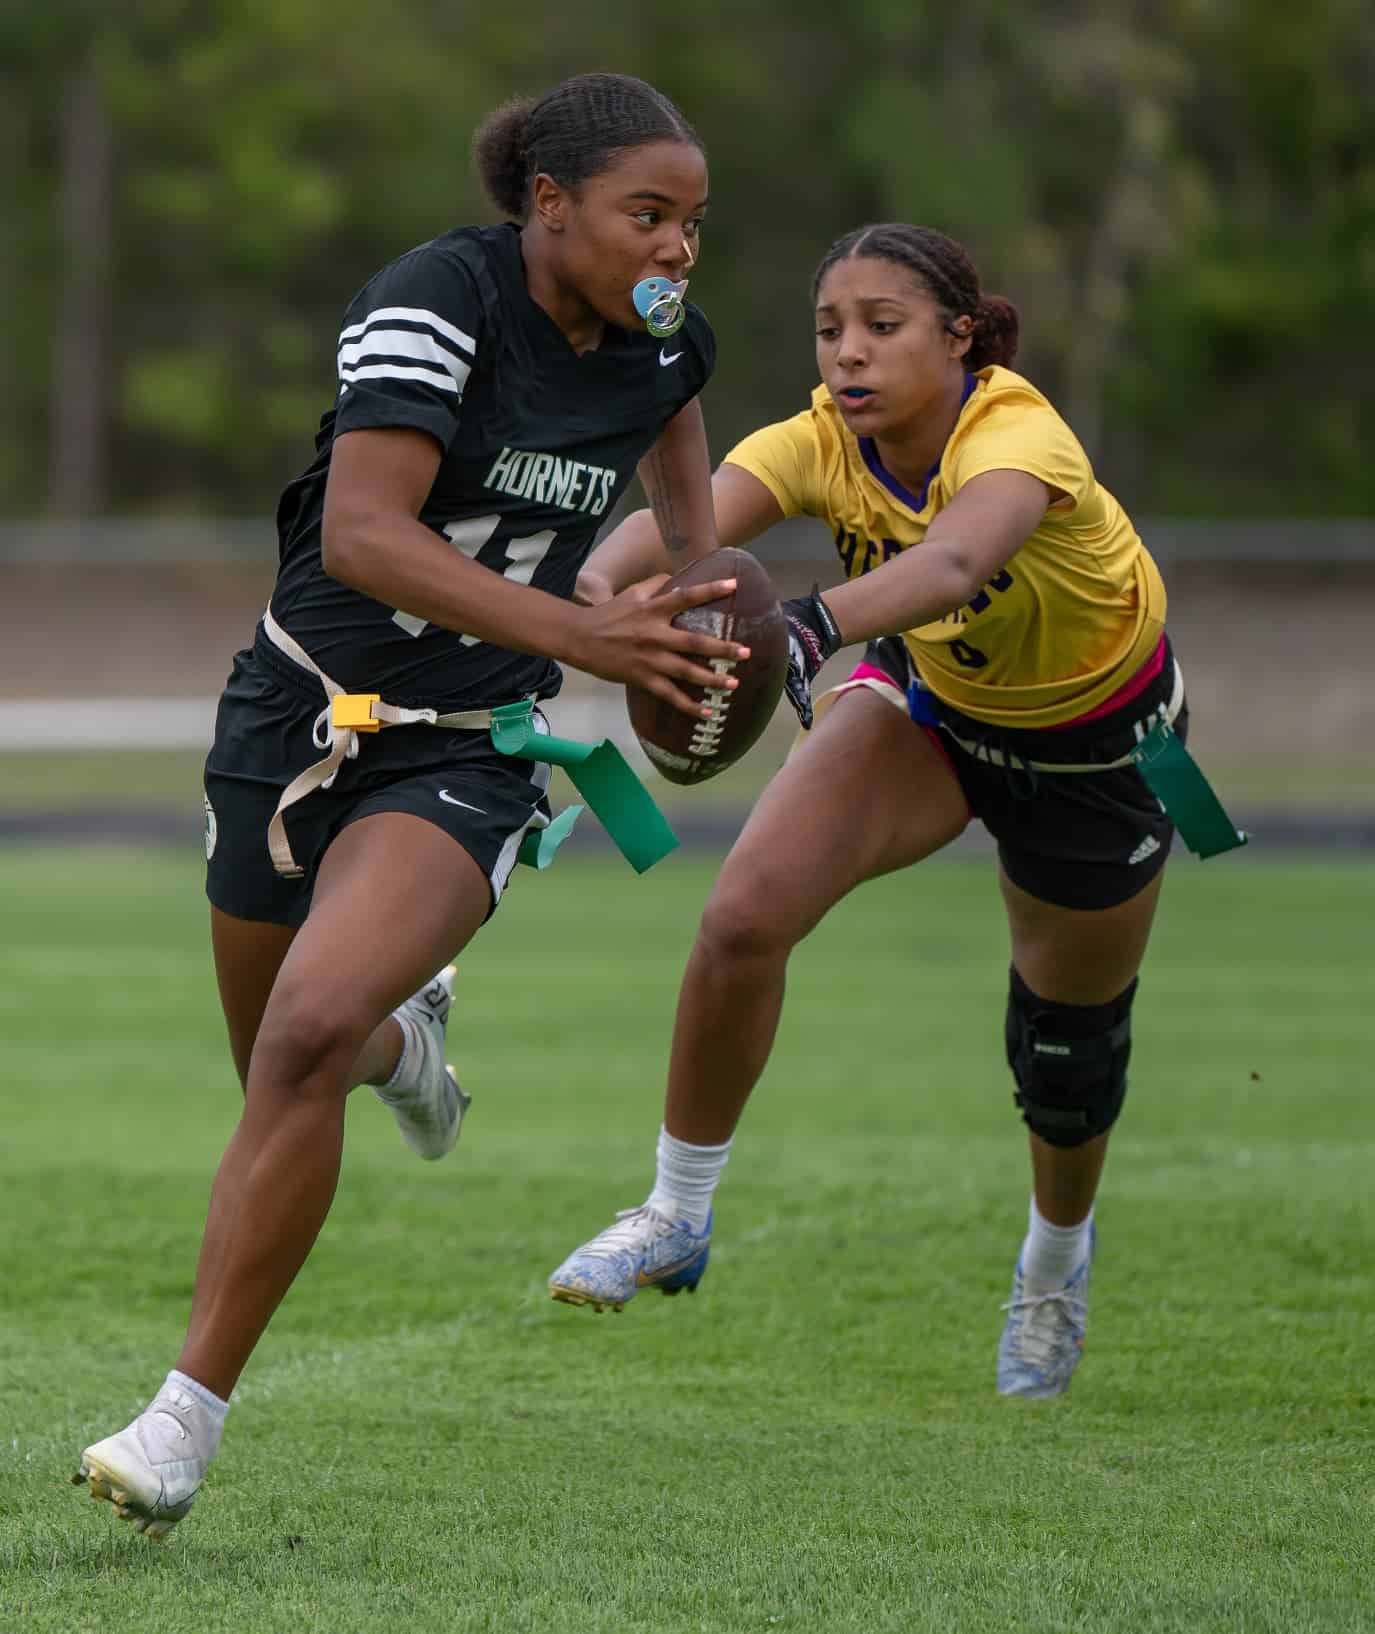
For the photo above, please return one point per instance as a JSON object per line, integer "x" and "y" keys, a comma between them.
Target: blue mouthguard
{"x": 660, "y": 303}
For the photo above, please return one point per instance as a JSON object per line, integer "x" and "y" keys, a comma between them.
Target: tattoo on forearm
{"x": 660, "y": 489}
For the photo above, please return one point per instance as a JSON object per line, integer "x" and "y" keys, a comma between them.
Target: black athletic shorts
{"x": 1075, "y": 839}
{"x": 264, "y": 737}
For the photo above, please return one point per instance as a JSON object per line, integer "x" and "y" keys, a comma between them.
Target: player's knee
{"x": 1070, "y": 1063}
{"x": 306, "y": 1044}
{"x": 742, "y": 921}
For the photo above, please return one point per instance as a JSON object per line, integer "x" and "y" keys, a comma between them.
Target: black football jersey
{"x": 539, "y": 443}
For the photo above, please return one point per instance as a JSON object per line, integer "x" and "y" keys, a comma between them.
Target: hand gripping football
{"x": 685, "y": 750}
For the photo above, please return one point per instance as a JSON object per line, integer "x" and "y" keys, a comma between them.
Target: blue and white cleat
{"x": 152, "y": 1470}
{"x": 429, "y": 1107}
{"x": 1044, "y": 1336}
{"x": 644, "y": 1249}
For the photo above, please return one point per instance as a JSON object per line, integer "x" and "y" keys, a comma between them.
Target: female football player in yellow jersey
{"x": 1016, "y": 656}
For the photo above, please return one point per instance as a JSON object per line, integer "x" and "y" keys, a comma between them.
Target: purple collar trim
{"x": 916, "y": 502}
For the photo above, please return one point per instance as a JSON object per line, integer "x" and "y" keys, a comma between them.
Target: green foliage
{"x": 424, "y": 1441}
{"x": 1180, "y": 197}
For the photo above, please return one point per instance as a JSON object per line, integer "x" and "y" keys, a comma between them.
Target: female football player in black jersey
{"x": 498, "y": 387}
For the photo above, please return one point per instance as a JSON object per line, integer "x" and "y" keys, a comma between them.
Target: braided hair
{"x": 943, "y": 268}
{"x": 570, "y": 133}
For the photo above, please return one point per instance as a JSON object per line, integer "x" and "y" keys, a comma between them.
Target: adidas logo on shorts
{"x": 1148, "y": 848}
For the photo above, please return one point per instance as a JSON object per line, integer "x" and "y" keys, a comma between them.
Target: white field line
{"x": 75, "y": 724}
{"x": 106, "y": 723}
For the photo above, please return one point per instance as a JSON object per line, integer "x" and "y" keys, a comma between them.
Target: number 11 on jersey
{"x": 523, "y": 556}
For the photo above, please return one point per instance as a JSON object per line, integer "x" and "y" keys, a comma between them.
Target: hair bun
{"x": 997, "y": 329}
{"x": 501, "y": 155}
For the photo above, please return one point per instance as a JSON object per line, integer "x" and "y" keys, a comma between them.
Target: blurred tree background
{"x": 1179, "y": 194}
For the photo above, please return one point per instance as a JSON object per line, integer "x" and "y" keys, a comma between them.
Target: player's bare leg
{"x": 808, "y": 842}
{"x": 1087, "y": 960}
{"x": 248, "y": 955}
{"x": 422, "y": 897}
{"x": 866, "y": 794}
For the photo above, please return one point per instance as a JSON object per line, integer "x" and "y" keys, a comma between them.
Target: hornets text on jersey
{"x": 1070, "y": 619}
{"x": 538, "y": 444}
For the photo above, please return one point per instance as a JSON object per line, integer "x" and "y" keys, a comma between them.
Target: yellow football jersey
{"x": 1071, "y": 617}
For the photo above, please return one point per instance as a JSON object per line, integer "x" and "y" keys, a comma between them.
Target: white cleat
{"x": 152, "y": 1470}
{"x": 1044, "y": 1336}
{"x": 644, "y": 1249}
{"x": 429, "y": 1106}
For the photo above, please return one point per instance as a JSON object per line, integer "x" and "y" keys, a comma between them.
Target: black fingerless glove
{"x": 813, "y": 635}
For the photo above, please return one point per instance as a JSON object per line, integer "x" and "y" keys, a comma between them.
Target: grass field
{"x": 170, "y": 780}
{"x": 426, "y": 1443}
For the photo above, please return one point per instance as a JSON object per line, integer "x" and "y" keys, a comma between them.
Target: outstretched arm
{"x": 979, "y": 532}
{"x": 982, "y": 529}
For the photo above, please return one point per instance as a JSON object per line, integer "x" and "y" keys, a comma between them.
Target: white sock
{"x": 207, "y": 1398}
{"x": 412, "y": 1055}
{"x": 685, "y": 1179}
{"x": 1052, "y": 1254}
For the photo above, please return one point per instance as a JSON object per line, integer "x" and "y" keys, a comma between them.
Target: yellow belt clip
{"x": 352, "y": 711}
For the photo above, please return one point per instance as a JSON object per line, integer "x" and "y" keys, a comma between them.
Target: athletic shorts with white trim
{"x": 264, "y": 738}
{"x": 1074, "y": 839}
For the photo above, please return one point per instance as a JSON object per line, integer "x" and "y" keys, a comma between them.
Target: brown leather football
{"x": 685, "y": 750}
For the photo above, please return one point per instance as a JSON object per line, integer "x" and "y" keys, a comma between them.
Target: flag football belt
{"x": 1171, "y": 773}
{"x": 598, "y": 771}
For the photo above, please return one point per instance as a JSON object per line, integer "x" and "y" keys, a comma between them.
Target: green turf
{"x": 426, "y": 1443}
{"x": 169, "y": 779}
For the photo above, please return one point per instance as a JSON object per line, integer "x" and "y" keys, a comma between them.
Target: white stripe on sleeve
{"x": 398, "y": 371}
{"x": 414, "y": 314}
{"x": 403, "y": 343}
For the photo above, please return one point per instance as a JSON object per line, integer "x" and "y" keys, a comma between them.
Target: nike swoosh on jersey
{"x": 666, "y": 359}
{"x": 453, "y": 800}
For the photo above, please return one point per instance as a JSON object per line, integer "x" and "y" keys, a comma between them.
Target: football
{"x": 685, "y": 750}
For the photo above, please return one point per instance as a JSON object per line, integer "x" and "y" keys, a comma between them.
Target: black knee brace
{"x": 1070, "y": 1063}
